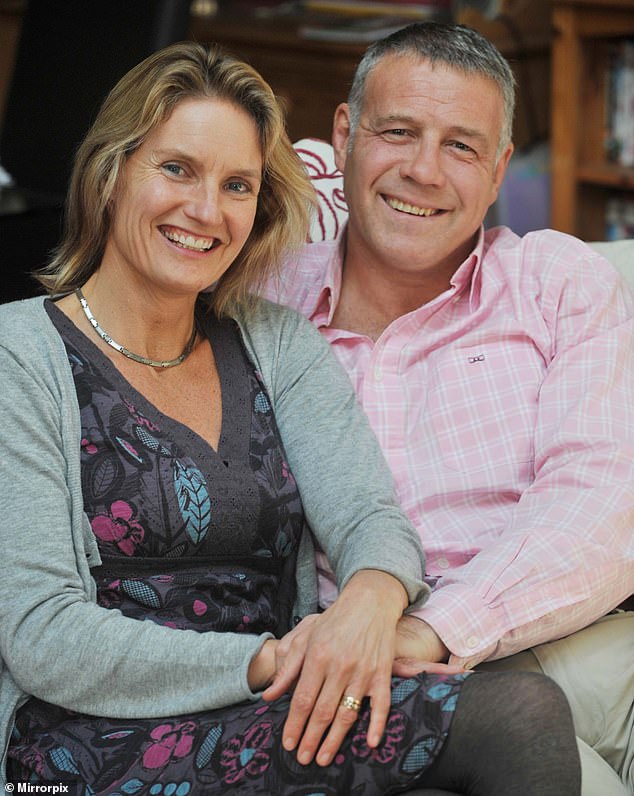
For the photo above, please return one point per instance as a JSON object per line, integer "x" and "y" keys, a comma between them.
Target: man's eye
{"x": 398, "y": 132}
{"x": 461, "y": 146}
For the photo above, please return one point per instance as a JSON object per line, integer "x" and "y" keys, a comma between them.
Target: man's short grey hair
{"x": 455, "y": 46}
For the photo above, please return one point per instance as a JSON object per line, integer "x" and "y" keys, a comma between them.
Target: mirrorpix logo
{"x": 26, "y": 787}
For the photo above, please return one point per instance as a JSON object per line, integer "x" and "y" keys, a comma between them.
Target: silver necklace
{"x": 155, "y": 363}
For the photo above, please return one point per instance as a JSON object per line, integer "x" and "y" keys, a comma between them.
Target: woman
{"x": 156, "y": 478}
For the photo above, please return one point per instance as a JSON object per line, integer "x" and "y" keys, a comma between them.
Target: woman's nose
{"x": 205, "y": 204}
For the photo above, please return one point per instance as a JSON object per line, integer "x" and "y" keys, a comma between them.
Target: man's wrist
{"x": 417, "y": 639}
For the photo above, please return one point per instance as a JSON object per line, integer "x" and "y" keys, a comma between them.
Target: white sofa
{"x": 319, "y": 160}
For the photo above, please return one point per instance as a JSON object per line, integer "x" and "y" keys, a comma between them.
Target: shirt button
{"x": 472, "y": 642}
{"x": 443, "y": 563}
{"x": 378, "y": 374}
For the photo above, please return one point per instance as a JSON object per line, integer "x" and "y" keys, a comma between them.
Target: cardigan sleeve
{"x": 55, "y": 641}
{"x": 344, "y": 481}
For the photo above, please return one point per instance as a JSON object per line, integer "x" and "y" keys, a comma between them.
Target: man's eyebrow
{"x": 468, "y": 132}
{"x": 395, "y": 118}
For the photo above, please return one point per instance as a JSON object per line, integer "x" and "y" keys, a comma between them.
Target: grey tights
{"x": 511, "y": 735}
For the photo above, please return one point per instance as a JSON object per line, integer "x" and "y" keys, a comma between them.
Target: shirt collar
{"x": 328, "y": 296}
{"x": 468, "y": 273}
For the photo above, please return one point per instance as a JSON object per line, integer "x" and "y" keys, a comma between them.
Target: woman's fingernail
{"x": 288, "y": 744}
{"x": 304, "y": 758}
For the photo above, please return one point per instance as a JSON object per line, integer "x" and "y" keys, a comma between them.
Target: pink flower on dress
{"x": 388, "y": 748}
{"x": 140, "y": 419}
{"x": 32, "y": 759}
{"x": 170, "y": 741}
{"x": 88, "y": 446}
{"x": 118, "y": 527}
{"x": 243, "y": 755}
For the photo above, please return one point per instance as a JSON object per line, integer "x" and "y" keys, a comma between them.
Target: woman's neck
{"x": 144, "y": 321}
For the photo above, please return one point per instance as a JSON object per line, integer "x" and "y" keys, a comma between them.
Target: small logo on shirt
{"x": 478, "y": 358}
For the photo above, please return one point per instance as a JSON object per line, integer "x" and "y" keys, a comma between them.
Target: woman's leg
{"x": 511, "y": 734}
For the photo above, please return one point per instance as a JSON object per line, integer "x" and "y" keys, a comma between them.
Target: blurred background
{"x": 573, "y": 168}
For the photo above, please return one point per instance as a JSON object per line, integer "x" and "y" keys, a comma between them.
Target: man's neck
{"x": 370, "y": 302}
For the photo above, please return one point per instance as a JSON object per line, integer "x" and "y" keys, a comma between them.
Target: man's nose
{"x": 423, "y": 164}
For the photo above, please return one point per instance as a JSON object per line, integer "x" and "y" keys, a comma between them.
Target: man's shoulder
{"x": 546, "y": 254}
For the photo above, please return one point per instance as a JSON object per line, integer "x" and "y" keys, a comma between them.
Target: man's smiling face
{"x": 423, "y": 166}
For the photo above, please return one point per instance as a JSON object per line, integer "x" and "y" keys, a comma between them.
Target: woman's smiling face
{"x": 187, "y": 198}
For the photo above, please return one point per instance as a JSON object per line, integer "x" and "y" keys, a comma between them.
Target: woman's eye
{"x": 173, "y": 169}
{"x": 237, "y": 186}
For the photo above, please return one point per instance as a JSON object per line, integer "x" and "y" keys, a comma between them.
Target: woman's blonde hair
{"x": 143, "y": 99}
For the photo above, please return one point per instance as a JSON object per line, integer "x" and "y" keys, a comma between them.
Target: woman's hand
{"x": 346, "y": 651}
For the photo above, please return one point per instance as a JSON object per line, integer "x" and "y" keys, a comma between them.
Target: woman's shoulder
{"x": 19, "y": 318}
{"x": 28, "y": 336}
{"x": 279, "y": 341}
{"x": 261, "y": 317}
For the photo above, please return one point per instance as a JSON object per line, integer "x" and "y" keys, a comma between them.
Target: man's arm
{"x": 566, "y": 556}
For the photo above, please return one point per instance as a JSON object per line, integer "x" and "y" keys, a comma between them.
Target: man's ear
{"x": 341, "y": 134}
{"x": 500, "y": 167}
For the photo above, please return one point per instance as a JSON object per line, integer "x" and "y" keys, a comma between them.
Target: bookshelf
{"x": 313, "y": 76}
{"x": 584, "y": 181}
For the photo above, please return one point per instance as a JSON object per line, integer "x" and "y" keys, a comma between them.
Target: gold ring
{"x": 350, "y": 702}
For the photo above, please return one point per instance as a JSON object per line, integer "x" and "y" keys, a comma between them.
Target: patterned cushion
{"x": 318, "y": 156}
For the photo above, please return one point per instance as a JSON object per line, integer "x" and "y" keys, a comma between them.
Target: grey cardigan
{"x": 56, "y": 643}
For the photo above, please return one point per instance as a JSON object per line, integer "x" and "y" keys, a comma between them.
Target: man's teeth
{"x": 412, "y": 209}
{"x": 189, "y": 241}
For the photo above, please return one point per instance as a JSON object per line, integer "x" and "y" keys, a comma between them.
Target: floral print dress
{"x": 194, "y": 538}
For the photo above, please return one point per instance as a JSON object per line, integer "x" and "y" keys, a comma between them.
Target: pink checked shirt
{"x": 505, "y": 408}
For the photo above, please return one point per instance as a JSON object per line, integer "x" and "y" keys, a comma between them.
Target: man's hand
{"x": 420, "y": 649}
{"x": 346, "y": 651}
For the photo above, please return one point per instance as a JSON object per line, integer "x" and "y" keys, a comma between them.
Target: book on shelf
{"x": 620, "y": 105}
{"x": 351, "y": 29}
{"x": 619, "y": 217}
{"x": 412, "y": 9}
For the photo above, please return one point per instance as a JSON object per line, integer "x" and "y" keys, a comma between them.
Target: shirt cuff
{"x": 468, "y": 627}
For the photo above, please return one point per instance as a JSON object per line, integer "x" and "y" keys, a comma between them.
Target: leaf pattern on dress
{"x": 63, "y": 760}
{"x": 208, "y": 746}
{"x": 193, "y": 500}
{"x": 150, "y": 441}
{"x": 142, "y": 593}
{"x": 105, "y": 474}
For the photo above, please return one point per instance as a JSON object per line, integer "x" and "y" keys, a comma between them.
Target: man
{"x": 498, "y": 375}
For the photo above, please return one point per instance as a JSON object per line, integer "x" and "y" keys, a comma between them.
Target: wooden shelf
{"x": 312, "y": 77}
{"x": 582, "y": 179}
{"x": 608, "y": 175}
